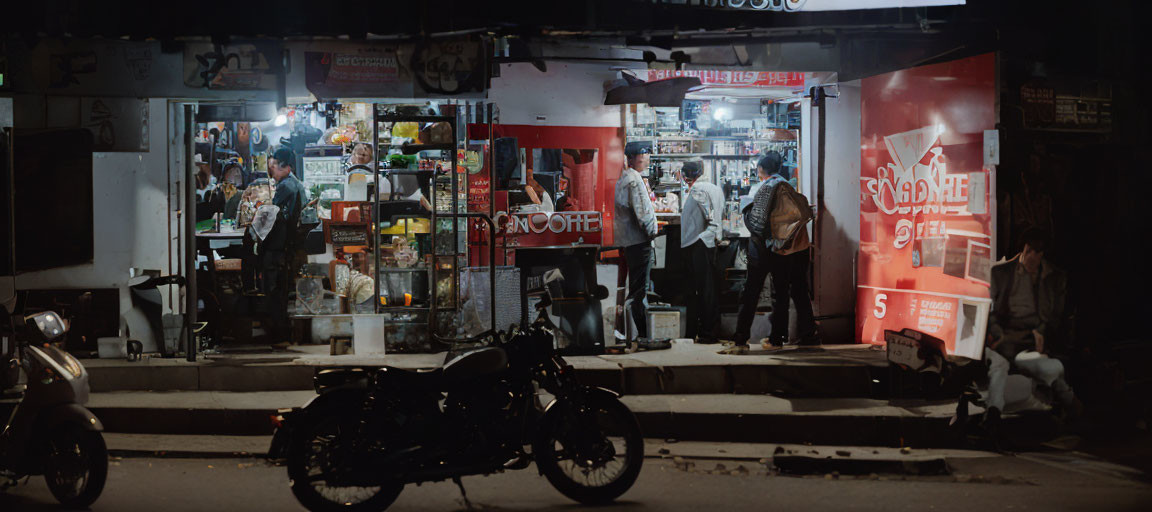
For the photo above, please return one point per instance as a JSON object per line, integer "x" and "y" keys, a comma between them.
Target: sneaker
{"x": 767, "y": 344}
{"x": 735, "y": 350}
{"x": 280, "y": 347}
{"x": 707, "y": 340}
{"x": 647, "y": 344}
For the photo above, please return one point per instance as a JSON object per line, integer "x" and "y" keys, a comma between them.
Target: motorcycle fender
{"x": 588, "y": 389}
{"x": 593, "y": 390}
{"x": 74, "y": 414}
{"x": 331, "y": 397}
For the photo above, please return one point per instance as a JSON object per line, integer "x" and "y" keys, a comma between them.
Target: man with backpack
{"x": 777, "y": 219}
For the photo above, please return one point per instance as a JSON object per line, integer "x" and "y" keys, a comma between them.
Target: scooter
{"x": 47, "y": 429}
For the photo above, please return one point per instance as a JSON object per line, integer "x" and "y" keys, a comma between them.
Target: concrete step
{"x": 729, "y": 418}
{"x": 785, "y": 458}
{"x": 830, "y": 371}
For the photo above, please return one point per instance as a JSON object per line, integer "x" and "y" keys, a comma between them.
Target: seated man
{"x": 1025, "y": 323}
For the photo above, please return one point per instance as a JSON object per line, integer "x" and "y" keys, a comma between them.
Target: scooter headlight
{"x": 72, "y": 365}
{"x": 62, "y": 362}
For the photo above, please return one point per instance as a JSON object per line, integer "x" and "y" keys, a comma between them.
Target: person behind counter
{"x": 276, "y": 248}
{"x": 361, "y": 154}
{"x": 700, "y": 232}
{"x": 635, "y": 228}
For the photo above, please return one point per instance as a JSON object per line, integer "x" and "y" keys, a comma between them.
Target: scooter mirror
{"x": 49, "y": 326}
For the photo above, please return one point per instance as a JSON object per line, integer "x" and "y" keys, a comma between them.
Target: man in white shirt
{"x": 700, "y": 232}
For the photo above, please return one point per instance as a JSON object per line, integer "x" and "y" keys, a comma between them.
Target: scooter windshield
{"x": 62, "y": 359}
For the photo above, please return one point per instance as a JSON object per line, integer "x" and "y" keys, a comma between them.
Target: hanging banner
{"x": 732, "y": 78}
{"x": 925, "y": 236}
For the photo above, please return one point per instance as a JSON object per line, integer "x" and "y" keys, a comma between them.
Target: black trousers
{"x": 275, "y": 280}
{"x": 700, "y": 264}
{"x": 750, "y": 296}
{"x": 639, "y": 259}
{"x": 790, "y": 281}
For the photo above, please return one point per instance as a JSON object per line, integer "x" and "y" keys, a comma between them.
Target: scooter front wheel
{"x": 76, "y": 467}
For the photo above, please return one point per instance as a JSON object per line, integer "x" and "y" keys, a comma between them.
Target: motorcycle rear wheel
{"x": 76, "y": 467}
{"x": 314, "y": 452}
{"x": 578, "y": 466}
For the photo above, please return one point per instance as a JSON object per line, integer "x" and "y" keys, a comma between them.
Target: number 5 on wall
{"x": 881, "y": 307}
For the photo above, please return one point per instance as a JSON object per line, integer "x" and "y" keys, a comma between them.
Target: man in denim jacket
{"x": 635, "y": 228}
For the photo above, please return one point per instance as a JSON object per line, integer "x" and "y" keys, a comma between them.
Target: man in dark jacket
{"x": 276, "y": 248}
{"x": 1025, "y": 326}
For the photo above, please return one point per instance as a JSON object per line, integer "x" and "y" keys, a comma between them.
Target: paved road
{"x": 1006, "y": 483}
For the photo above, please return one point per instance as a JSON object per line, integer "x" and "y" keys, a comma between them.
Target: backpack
{"x": 789, "y": 215}
{"x": 757, "y": 215}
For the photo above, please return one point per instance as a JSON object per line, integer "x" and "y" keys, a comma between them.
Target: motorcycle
{"x": 370, "y": 432}
{"x": 48, "y": 430}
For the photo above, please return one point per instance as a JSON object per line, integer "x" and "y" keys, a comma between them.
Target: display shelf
{"x": 404, "y": 118}
{"x": 676, "y": 155}
{"x": 405, "y": 172}
{"x": 402, "y": 270}
{"x": 416, "y": 148}
{"x": 402, "y": 309}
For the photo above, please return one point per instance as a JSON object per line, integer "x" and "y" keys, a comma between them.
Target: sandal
{"x": 735, "y": 350}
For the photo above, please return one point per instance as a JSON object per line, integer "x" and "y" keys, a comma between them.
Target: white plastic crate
{"x": 664, "y": 324}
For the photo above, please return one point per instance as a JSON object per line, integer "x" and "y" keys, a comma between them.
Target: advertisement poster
{"x": 925, "y": 233}
{"x": 239, "y": 66}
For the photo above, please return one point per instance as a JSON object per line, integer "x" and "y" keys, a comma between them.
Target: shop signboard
{"x": 807, "y": 5}
{"x": 732, "y": 78}
{"x": 925, "y": 234}
{"x": 544, "y": 229}
{"x": 361, "y": 72}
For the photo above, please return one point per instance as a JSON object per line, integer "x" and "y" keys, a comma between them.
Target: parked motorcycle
{"x": 48, "y": 430}
{"x": 369, "y": 432}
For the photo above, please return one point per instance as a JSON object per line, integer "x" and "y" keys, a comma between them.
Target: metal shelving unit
{"x": 445, "y": 261}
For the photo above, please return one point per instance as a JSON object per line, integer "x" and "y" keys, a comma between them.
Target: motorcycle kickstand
{"x": 463, "y": 494}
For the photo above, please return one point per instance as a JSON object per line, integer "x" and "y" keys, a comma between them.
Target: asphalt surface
{"x": 1048, "y": 483}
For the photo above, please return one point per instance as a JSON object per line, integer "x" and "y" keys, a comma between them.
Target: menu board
{"x": 324, "y": 170}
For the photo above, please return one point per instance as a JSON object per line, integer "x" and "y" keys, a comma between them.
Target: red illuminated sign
{"x": 732, "y": 78}
{"x": 925, "y": 228}
{"x": 560, "y": 229}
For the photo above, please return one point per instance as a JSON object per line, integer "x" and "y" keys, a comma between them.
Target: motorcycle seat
{"x": 458, "y": 370}
{"x": 429, "y": 379}
{"x": 475, "y": 363}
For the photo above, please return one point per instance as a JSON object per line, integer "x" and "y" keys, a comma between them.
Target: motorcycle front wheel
{"x": 76, "y": 466}
{"x": 591, "y": 453}
{"x": 314, "y": 457}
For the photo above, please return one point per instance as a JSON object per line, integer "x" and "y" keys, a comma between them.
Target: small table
{"x": 204, "y": 246}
